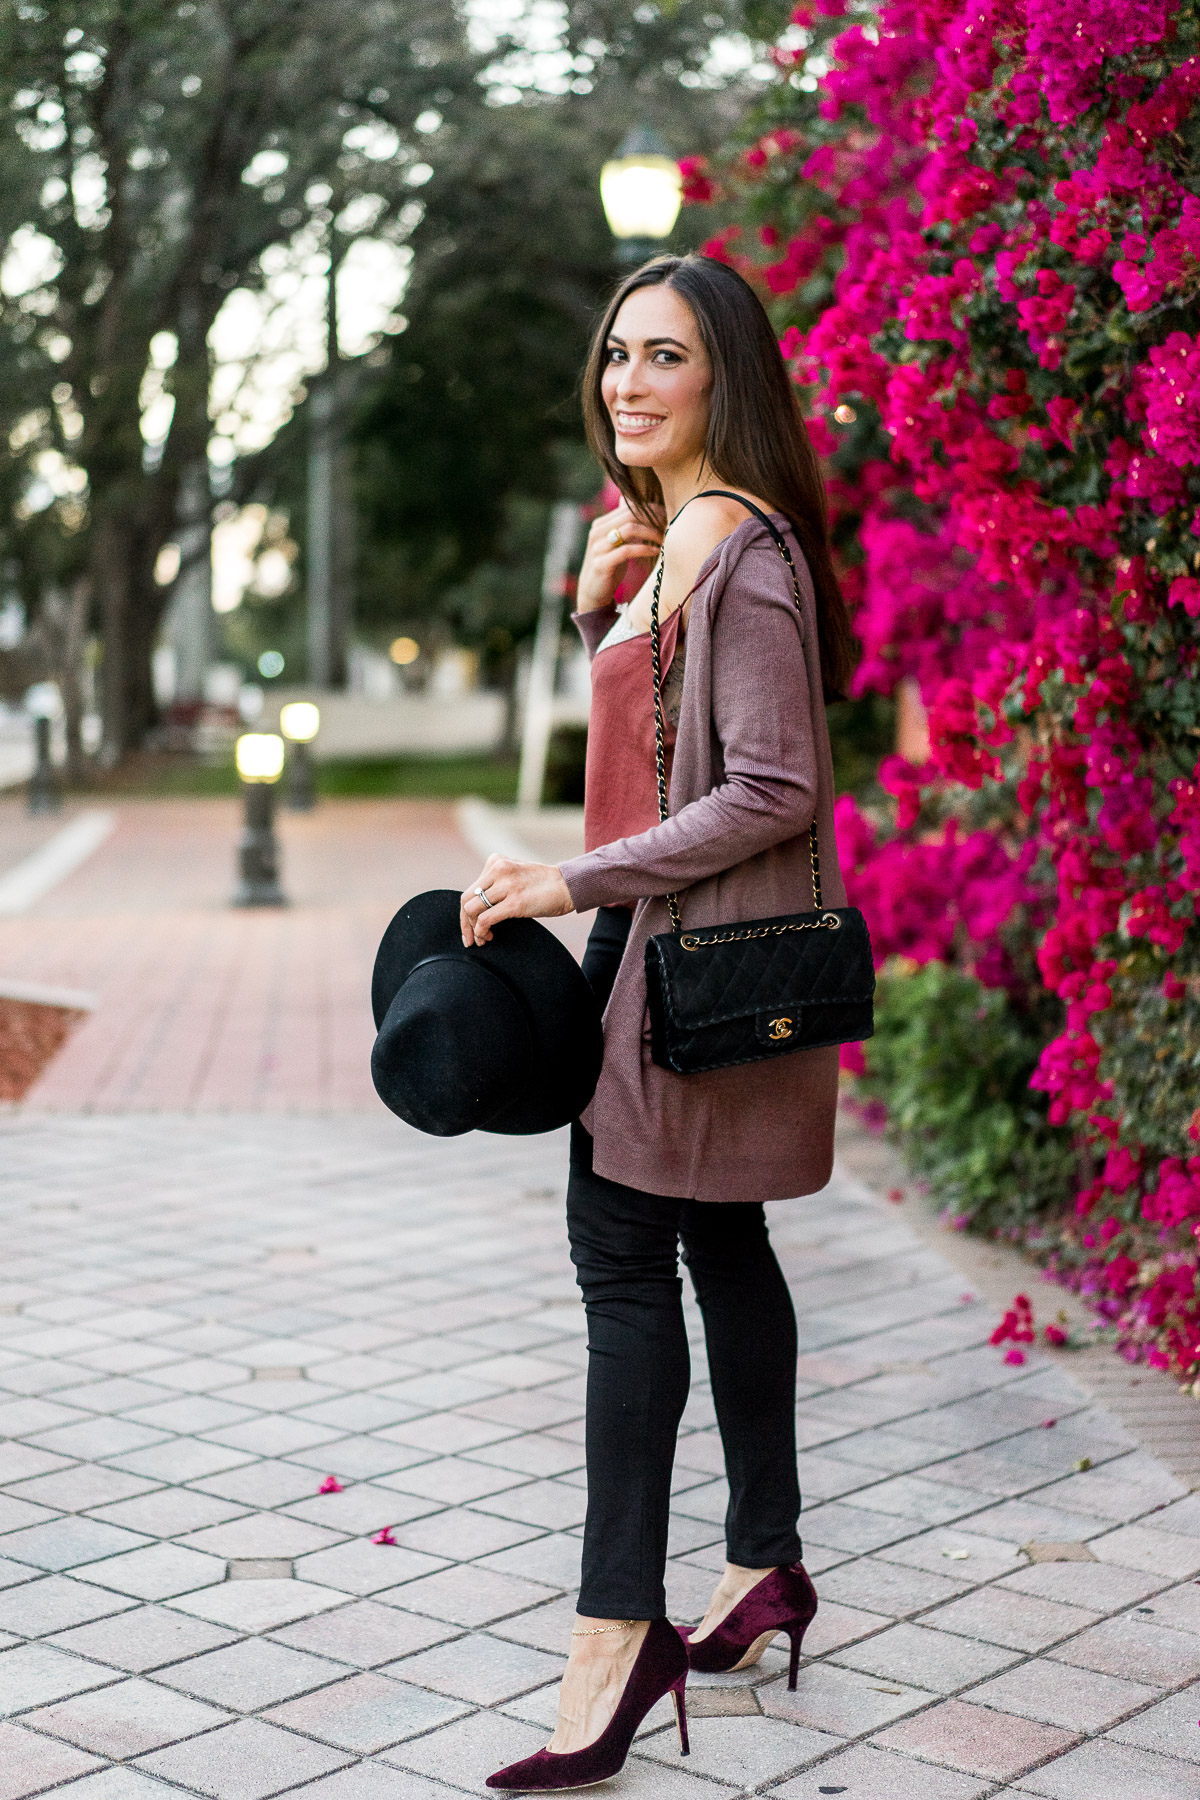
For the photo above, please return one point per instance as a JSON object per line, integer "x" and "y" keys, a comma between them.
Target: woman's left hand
{"x": 515, "y": 890}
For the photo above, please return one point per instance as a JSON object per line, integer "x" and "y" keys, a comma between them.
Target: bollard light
{"x": 300, "y": 722}
{"x": 259, "y": 757}
{"x": 44, "y": 793}
{"x": 43, "y": 703}
{"x": 641, "y": 190}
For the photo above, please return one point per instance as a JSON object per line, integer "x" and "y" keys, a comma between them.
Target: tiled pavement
{"x": 202, "y": 1320}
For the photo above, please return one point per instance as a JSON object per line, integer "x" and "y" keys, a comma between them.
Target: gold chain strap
{"x": 690, "y": 941}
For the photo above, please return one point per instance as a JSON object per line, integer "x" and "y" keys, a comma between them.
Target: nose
{"x": 631, "y": 382}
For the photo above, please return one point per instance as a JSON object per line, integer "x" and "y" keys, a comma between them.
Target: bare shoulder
{"x": 691, "y": 539}
{"x": 701, "y": 526}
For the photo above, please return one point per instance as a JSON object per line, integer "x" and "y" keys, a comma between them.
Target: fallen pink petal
{"x": 330, "y": 1485}
{"x": 384, "y": 1536}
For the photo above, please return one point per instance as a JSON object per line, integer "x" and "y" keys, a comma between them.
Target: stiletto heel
{"x": 796, "y": 1638}
{"x": 784, "y": 1600}
{"x": 677, "y": 1694}
{"x": 661, "y": 1668}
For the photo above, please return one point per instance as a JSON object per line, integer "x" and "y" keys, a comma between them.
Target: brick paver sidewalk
{"x": 204, "y": 1318}
{"x": 207, "y": 1009}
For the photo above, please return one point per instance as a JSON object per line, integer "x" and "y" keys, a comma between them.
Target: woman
{"x": 685, "y": 391}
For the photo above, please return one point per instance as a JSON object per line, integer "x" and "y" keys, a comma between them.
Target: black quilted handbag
{"x": 729, "y": 994}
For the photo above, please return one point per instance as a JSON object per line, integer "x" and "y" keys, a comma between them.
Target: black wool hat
{"x": 503, "y": 1037}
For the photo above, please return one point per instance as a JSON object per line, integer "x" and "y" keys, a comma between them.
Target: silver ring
{"x": 483, "y": 897}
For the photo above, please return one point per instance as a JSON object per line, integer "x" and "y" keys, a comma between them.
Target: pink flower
{"x": 330, "y": 1485}
{"x": 1014, "y": 1356}
{"x": 1185, "y": 591}
{"x": 384, "y": 1536}
{"x": 698, "y": 189}
{"x": 1045, "y": 318}
{"x": 1016, "y": 1324}
{"x": 1069, "y": 39}
{"x": 1119, "y": 1273}
{"x": 1054, "y": 1334}
{"x": 1171, "y": 392}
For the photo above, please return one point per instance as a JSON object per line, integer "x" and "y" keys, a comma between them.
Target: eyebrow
{"x": 651, "y": 343}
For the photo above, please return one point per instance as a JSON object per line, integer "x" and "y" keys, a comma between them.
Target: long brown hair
{"x": 757, "y": 438}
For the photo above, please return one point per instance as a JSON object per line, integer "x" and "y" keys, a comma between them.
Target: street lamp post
{"x": 259, "y": 764}
{"x": 43, "y": 704}
{"x": 300, "y": 722}
{"x": 44, "y": 794}
{"x": 641, "y": 190}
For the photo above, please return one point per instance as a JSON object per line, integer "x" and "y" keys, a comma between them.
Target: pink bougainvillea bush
{"x": 978, "y": 223}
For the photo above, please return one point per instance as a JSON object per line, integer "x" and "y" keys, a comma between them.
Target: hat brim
{"x": 564, "y": 1018}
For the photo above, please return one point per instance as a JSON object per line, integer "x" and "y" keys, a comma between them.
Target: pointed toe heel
{"x": 784, "y": 1600}
{"x": 661, "y": 1668}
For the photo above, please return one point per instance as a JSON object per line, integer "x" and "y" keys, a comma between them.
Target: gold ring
{"x": 614, "y": 537}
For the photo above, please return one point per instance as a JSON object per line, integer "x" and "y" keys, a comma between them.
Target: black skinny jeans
{"x": 625, "y": 1244}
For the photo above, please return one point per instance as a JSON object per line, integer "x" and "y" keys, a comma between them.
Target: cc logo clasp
{"x": 780, "y": 1028}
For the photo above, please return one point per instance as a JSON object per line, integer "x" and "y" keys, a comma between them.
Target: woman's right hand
{"x": 616, "y": 540}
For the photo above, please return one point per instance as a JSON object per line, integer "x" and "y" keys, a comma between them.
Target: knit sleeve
{"x": 593, "y": 627}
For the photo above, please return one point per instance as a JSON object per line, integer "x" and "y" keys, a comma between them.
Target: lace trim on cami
{"x": 622, "y": 630}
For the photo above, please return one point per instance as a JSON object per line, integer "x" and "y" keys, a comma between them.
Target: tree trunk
{"x": 145, "y": 617}
{"x": 131, "y": 610}
{"x": 111, "y": 575}
{"x": 63, "y": 629}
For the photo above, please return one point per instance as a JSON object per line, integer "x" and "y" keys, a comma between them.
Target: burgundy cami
{"x": 620, "y": 795}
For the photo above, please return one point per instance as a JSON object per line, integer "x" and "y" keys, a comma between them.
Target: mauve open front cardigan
{"x": 752, "y": 763}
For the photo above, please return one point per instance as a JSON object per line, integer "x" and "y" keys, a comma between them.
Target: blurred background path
{"x": 202, "y": 1007}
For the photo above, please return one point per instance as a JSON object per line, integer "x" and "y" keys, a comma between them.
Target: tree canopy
{"x": 160, "y": 156}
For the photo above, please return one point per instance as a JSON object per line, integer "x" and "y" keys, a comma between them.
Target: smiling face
{"x": 657, "y": 382}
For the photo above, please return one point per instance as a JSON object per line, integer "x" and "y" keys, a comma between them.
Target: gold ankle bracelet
{"x": 600, "y": 1630}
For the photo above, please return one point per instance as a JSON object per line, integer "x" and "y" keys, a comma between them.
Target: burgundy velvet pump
{"x": 784, "y": 1600}
{"x": 661, "y": 1668}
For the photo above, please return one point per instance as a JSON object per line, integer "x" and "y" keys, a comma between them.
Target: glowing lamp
{"x": 641, "y": 190}
{"x": 259, "y": 756}
{"x": 300, "y": 721}
{"x": 404, "y": 650}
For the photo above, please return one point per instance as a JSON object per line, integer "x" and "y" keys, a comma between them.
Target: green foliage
{"x": 861, "y": 733}
{"x": 1152, "y": 1050}
{"x": 363, "y": 778}
{"x": 475, "y": 414}
{"x": 421, "y": 778}
{"x": 951, "y": 1060}
{"x": 167, "y": 153}
{"x": 160, "y": 150}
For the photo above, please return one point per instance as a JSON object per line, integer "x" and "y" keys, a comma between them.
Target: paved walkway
{"x": 229, "y": 1276}
{"x": 206, "y": 1009}
{"x": 202, "y": 1322}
